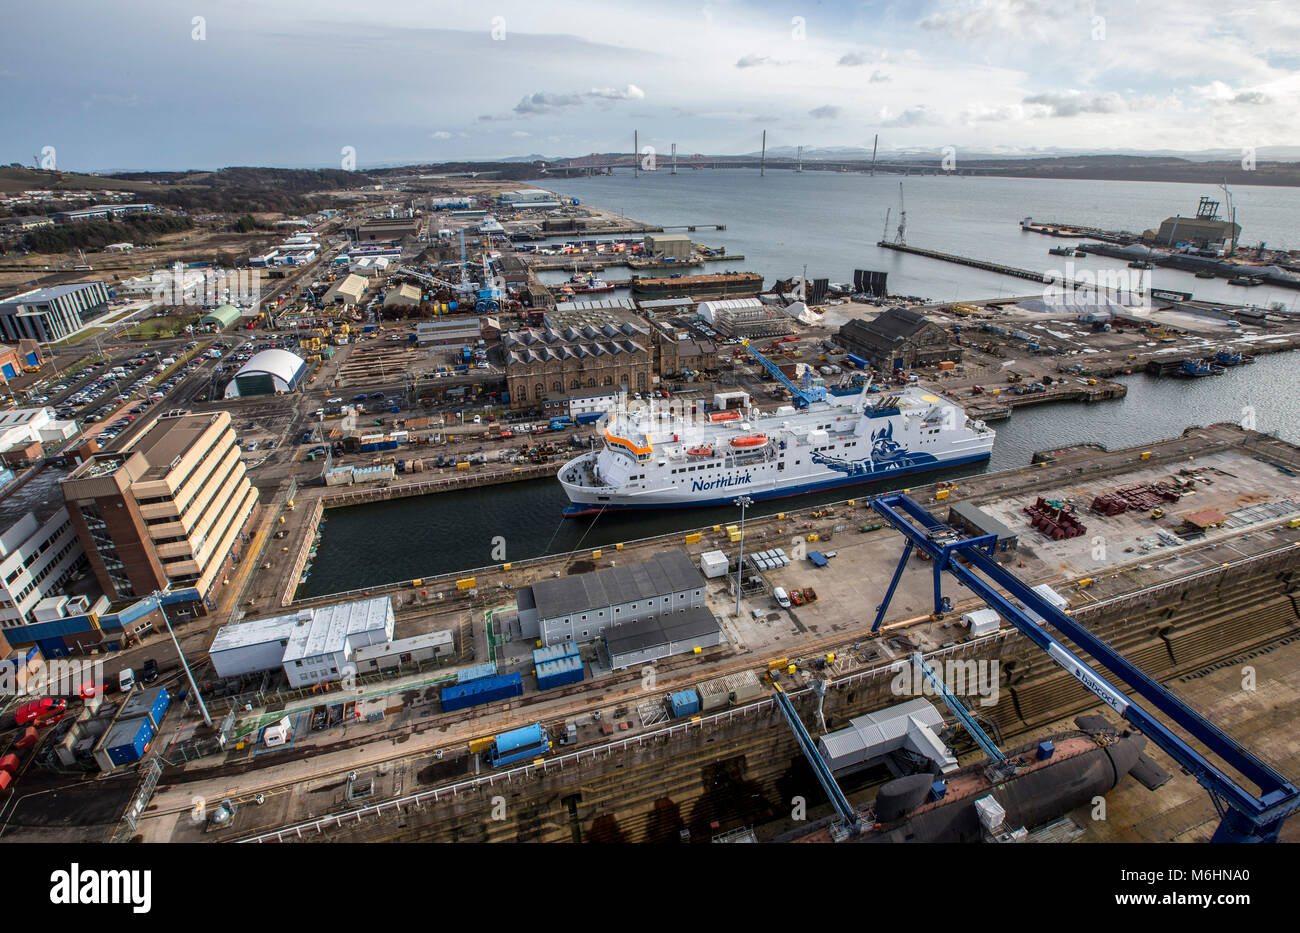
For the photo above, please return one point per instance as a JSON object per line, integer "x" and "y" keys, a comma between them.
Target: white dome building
{"x": 269, "y": 372}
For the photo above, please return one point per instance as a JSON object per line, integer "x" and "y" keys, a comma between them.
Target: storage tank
{"x": 525, "y": 737}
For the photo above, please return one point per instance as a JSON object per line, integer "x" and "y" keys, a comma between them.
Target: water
{"x": 831, "y": 221}
{"x": 823, "y": 212}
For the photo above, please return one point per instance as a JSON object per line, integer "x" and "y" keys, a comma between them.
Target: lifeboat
{"x": 752, "y": 440}
{"x": 717, "y": 416}
{"x": 700, "y": 452}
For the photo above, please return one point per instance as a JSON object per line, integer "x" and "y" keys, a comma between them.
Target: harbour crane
{"x": 804, "y": 394}
{"x": 1244, "y": 816}
{"x": 901, "y": 238}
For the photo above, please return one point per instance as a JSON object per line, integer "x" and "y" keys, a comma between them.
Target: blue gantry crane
{"x": 1245, "y": 816}
{"x": 964, "y": 717}
{"x": 850, "y": 822}
{"x": 804, "y": 394}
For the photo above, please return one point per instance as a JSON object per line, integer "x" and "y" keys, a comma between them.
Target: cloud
{"x": 631, "y": 92}
{"x": 919, "y": 115}
{"x": 825, "y": 113}
{"x": 878, "y": 76}
{"x": 970, "y": 18}
{"x": 441, "y": 134}
{"x": 1072, "y": 103}
{"x": 982, "y": 114}
{"x": 520, "y": 134}
{"x": 853, "y": 59}
{"x": 756, "y": 61}
{"x": 1216, "y": 92}
{"x": 546, "y": 102}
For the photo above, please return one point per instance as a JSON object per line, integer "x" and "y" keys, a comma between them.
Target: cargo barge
{"x": 720, "y": 283}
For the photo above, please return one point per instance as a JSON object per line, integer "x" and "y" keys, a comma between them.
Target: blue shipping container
{"x": 684, "y": 703}
{"x": 130, "y": 741}
{"x": 477, "y": 672}
{"x": 564, "y": 649}
{"x": 152, "y": 703}
{"x": 478, "y": 692}
{"x": 557, "y": 673}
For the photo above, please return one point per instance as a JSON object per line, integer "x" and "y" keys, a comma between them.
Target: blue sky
{"x": 128, "y": 85}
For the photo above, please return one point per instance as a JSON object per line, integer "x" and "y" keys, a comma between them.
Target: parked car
{"x": 126, "y": 680}
{"x": 150, "y": 672}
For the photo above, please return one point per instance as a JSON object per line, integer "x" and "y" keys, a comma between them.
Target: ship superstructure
{"x": 660, "y": 457}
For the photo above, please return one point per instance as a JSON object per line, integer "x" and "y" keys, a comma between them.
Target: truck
{"x": 560, "y": 423}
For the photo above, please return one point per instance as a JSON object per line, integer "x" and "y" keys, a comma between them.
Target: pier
{"x": 979, "y": 264}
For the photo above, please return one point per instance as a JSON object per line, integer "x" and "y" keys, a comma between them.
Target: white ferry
{"x": 654, "y": 459}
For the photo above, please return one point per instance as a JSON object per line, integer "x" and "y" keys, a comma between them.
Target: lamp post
{"x": 744, "y": 502}
{"x": 194, "y": 688}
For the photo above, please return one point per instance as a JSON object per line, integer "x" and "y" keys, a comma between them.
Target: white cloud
{"x": 441, "y": 134}
{"x": 1072, "y": 103}
{"x": 919, "y": 115}
{"x": 520, "y": 134}
{"x": 826, "y": 112}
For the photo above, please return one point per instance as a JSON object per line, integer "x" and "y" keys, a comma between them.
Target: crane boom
{"x": 803, "y": 395}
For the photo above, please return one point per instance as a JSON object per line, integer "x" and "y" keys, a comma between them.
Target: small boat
{"x": 1197, "y": 368}
{"x": 728, "y": 415}
{"x": 1204, "y": 274}
{"x": 1080, "y": 254}
{"x": 700, "y": 452}
{"x": 1062, "y": 251}
{"x": 1139, "y": 264}
{"x": 1245, "y": 280}
{"x": 751, "y": 440}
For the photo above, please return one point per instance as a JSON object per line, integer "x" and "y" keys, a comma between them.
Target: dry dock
{"x": 1174, "y": 609}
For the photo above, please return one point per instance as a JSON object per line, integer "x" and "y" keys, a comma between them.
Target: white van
{"x": 126, "y": 680}
{"x": 782, "y": 597}
{"x": 277, "y": 734}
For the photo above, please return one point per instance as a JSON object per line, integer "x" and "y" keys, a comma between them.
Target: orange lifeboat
{"x": 753, "y": 440}
{"x": 700, "y": 452}
{"x": 717, "y": 416}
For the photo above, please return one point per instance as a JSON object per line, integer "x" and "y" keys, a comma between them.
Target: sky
{"x": 181, "y": 84}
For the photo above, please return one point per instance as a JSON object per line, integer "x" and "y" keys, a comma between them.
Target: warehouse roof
{"x": 693, "y": 623}
{"x": 403, "y": 294}
{"x": 222, "y": 316}
{"x": 667, "y": 572}
{"x": 329, "y": 627}
{"x": 279, "y": 363}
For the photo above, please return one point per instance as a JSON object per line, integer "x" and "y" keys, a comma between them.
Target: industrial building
{"x": 346, "y": 291}
{"x": 220, "y": 317}
{"x": 647, "y": 640}
{"x": 46, "y": 314}
{"x": 580, "y": 607}
{"x": 386, "y": 230}
{"x": 745, "y": 318}
{"x": 176, "y": 285}
{"x": 102, "y": 212}
{"x": 448, "y": 331}
{"x": 38, "y": 425}
{"x": 39, "y": 548}
{"x": 679, "y": 356}
{"x": 547, "y": 362}
{"x": 668, "y": 245}
{"x": 169, "y": 509}
{"x": 893, "y": 737}
{"x": 313, "y": 645}
{"x": 391, "y": 655}
{"x": 403, "y": 296}
{"x": 270, "y": 372}
{"x": 585, "y": 402}
{"x": 970, "y": 518}
{"x": 1205, "y": 230}
{"x": 899, "y": 338}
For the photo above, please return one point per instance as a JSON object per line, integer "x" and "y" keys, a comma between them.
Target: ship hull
{"x": 591, "y": 504}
